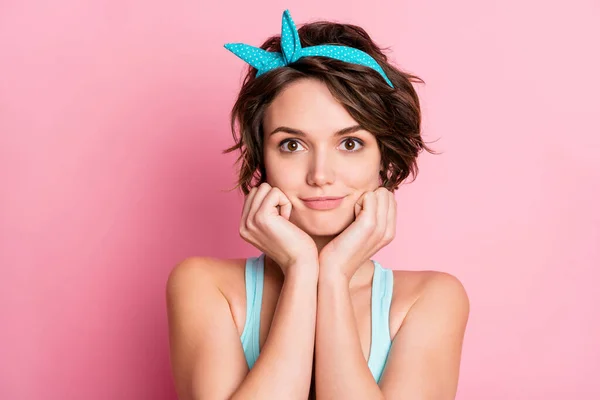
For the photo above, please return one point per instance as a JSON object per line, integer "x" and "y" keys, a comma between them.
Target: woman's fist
{"x": 265, "y": 224}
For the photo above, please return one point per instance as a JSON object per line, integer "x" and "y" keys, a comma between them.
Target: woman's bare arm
{"x": 207, "y": 357}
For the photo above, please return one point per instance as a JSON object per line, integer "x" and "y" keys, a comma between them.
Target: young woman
{"x": 328, "y": 129}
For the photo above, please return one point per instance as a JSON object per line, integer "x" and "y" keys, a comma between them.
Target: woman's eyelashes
{"x": 349, "y": 145}
{"x": 355, "y": 142}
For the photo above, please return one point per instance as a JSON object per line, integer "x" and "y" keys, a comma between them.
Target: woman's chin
{"x": 324, "y": 226}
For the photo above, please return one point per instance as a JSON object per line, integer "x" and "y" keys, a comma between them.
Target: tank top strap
{"x": 250, "y": 337}
{"x": 381, "y": 300}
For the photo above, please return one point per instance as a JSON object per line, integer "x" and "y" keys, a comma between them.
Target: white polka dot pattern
{"x": 292, "y": 51}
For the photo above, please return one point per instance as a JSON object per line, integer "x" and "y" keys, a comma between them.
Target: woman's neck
{"x": 322, "y": 241}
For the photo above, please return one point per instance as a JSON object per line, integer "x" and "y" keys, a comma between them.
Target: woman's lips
{"x": 325, "y": 203}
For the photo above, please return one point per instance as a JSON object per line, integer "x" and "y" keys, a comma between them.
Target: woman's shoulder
{"x": 202, "y": 270}
{"x": 415, "y": 283}
{"x": 205, "y": 265}
{"x": 411, "y": 286}
{"x": 198, "y": 273}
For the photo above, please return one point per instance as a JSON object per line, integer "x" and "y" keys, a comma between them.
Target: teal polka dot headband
{"x": 291, "y": 51}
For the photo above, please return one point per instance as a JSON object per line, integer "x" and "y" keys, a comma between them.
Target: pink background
{"x": 113, "y": 115}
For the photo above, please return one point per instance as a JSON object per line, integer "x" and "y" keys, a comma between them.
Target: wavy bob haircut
{"x": 392, "y": 115}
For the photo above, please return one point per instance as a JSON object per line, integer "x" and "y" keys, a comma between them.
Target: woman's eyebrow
{"x": 345, "y": 131}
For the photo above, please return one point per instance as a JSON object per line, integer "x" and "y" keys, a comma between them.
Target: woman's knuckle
{"x": 249, "y": 225}
{"x": 259, "y": 220}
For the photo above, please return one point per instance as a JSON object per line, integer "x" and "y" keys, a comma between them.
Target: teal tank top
{"x": 381, "y": 299}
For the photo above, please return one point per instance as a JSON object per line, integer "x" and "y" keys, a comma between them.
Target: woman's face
{"x": 308, "y": 155}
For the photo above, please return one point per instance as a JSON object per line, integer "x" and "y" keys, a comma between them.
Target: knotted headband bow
{"x": 292, "y": 51}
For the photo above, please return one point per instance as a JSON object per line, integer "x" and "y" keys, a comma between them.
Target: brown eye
{"x": 290, "y": 146}
{"x": 350, "y": 144}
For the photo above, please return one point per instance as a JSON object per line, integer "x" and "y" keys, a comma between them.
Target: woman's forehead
{"x": 308, "y": 106}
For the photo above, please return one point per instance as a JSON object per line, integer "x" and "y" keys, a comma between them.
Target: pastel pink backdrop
{"x": 113, "y": 115}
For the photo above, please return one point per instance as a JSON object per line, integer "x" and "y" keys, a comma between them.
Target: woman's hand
{"x": 265, "y": 224}
{"x": 373, "y": 229}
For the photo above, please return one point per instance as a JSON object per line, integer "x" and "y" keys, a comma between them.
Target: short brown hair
{"x": 392, "y": 115}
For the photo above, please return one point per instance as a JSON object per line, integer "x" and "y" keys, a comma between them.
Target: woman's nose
{"x": 321, "y": 169}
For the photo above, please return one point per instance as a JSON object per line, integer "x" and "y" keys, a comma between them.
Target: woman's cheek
{"x": 360, "y": 175}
